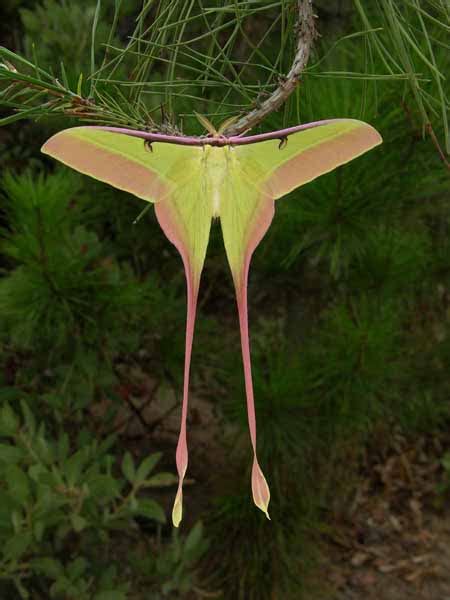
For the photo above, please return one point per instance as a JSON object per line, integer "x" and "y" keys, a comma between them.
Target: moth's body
{"x": 211, "y": 182}
{"x": 193, "y": 180}
{"x": 215, "y": 173}
{"x": 217, "y": 165}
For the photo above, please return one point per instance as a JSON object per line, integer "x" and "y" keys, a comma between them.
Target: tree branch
{"x": 306, "y": 34}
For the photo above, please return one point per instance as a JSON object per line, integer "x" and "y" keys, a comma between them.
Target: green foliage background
{"x": 349, "y": 294}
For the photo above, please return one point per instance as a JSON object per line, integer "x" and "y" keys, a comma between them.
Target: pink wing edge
{"x": 170, "y": 229}
{"x": 260, "y": 488}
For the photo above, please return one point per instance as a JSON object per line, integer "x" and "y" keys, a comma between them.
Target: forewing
{"x": 149, "y": 171}
{"x": 300, "y": 157}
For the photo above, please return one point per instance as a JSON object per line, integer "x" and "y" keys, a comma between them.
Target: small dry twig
{"x": 306, "y": 33}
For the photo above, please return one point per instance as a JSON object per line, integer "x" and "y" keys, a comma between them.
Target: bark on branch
{"x": 305, "y": 37}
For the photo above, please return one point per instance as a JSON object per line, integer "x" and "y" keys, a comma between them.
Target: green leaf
{"x": 47, "y": 566}
{"x": 18, "y": 485}
{"x": 161, "y": 480}
{"x": 103, "y": 487}
{"x": 128, "y": 468}
{"x": 110, "y": 595}
{"x": 44, "y": 448}
{"x": 194, "y": 538}
{"x": 16, "y": 546}
{"x": 76, "y": 568}
{"x": 63, "y": 447}
{"x": 133, "y": 503}
{"x": 35, "y": 471}
{"x": 146, "y": 467}
{"x": 7, "y": 508}
{"x": 151, "y": 509}
{"x": 16, "y": 517}
{"x": 61, "y": 585}
{"x": 78, "y": 522}
{"x": 38, "y": 530}
{"x": 28, "y": 416}
{"x": 11, "y": 454}
{"x": 74, "y": 467}
{"x": 106, "y": 444}
{"x": 9, "y": 422}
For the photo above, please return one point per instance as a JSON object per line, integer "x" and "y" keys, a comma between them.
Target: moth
{"x": 190, "y": 181}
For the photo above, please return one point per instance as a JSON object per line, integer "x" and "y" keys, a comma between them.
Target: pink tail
{"x": 260, "y": 489}
{"x": 182, "y": 451}
{"x": 169, "y": 226}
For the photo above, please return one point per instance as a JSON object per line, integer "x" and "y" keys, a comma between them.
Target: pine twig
{"x": 430, "y": 131}
{"x": 306, "y": 33}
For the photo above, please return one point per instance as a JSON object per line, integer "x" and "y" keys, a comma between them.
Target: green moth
{"x": 191, "y": 180}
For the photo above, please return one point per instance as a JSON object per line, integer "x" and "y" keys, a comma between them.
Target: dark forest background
{"x": 349, "y": 308}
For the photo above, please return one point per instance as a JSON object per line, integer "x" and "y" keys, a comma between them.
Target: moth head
{"x": 207, "y": 125}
